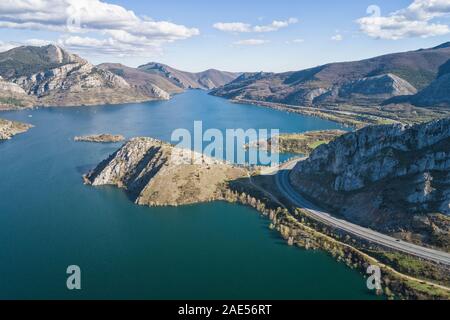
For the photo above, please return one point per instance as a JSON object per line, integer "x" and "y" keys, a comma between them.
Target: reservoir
{"x": 50, "y": 220}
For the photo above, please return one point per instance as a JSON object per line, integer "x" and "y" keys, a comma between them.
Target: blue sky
{"x": 195, "y": 35}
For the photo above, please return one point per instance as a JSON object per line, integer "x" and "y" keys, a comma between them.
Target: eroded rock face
{"x": 53, "y": 77}
{"x": 151, "y": 171}
{"x": 158, "y": 93}
{"x": 381, "y": 176}
{"x": 74, "y": 76}
{"x": 152, "y": 85}
{"x": 12, "y": 96}
{"x": 77, "y": 83}
{"x": 377, "y": 88}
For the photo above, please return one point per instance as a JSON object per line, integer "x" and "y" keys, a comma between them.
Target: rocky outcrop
{"x": 50, "y": 76}
{"x": 155, "y": 173}
{"x": 376, "y": 89}
{"x": 152, "y": 85}
{"x": 12, "y": 96}
{"x": 8, "y": 129}
{"x": 386, "y": 177}
{"x": 100, "y": 138}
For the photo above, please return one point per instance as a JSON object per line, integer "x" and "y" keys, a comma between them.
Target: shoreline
{"x": 298, "y": 229}
{"x": 210, "y": 182}
{"x": 346, "y": 118}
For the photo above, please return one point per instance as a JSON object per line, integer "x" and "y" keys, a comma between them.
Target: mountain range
{"x": 51, "y": 76}
{"x": 206, "y": 80}
{"x": 415, "y": 76}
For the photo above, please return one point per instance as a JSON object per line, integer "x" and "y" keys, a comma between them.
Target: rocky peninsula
{"x": 156, "y": 173}
{"x": 8, "y": 128}
{"x": 100, "y": 138}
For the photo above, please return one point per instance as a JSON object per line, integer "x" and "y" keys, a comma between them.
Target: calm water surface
{"x": 49, "y": 219}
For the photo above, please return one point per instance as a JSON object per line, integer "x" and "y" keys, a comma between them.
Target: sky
{"x": 231, "y": 35}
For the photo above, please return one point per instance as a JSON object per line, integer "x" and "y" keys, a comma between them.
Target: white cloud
{"x": 337, "y": 37}
{"x": 5, "y": 46}
{"x": 296, "y": 41}
{"x": 233, "y": 27}
{"x": 109, "y": 24}
{"x": 414, "y": 21}
{"x": 241, "y": 27}
{"x": 251, "y": 42}
{"x": 108, "y": 46}
{"x": 38, "y": 42}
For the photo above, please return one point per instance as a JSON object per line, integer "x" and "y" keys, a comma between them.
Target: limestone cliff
{"x": 375, "y": 89}
{"x": 150, "y": 172}
{"x": 50, "y": 76}
{"x": 12, "y": 96}
{"x": 152, "y": 85}
{"x": 393, "y": 178}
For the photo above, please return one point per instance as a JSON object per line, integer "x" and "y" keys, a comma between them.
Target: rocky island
{"x": 8, "y": 128}
{"x": 149, "y": 170}
{"x": 100, "y": 138}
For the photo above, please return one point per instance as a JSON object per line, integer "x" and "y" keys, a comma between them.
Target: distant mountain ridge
{"x": 51, "y": 76}
{"x": 366, "y": 82}
{"x": 206, "y": 80}
{"x": 152, "y": 85}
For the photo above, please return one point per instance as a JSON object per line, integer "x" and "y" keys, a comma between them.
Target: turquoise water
{"x": 50, "y": 220}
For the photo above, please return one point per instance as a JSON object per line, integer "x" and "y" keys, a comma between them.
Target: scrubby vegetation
{"x": 10, "y": 101}
{"x": 305, "y": 143}
{"x": 299, "y": 143}
{"x": 414, "y": 266}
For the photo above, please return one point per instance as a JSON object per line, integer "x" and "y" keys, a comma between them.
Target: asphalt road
{"x": 283, "y": 183}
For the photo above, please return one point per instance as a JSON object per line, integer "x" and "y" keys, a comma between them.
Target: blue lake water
{"x": 50, "y": 220}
